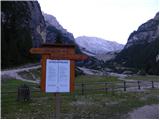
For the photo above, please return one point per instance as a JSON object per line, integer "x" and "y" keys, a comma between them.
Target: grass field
{"x": 91, "y": 105}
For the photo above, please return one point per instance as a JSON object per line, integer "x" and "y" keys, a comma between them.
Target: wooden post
{"x": 106, "y": 89}
{"x": 152, "y": 84}
{"x": 139, "y": 87}
{"x": 124, "y": 85}
{"x": 57, "y": 105}
{"x": 82, "y": 88}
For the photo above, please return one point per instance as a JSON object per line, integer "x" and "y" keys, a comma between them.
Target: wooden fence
{"x": 120, "y": 86}
{"x": 97, "y": 87}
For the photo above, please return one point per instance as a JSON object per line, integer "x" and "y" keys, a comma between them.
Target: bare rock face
{"x": 55, "y": 29}
{"x": 146, "y": 33}
{"x": 37, "y": 23}
{"x": 89, "y": 45}
{"x": 142, "y": 48}
{"x": 52, "y": 21}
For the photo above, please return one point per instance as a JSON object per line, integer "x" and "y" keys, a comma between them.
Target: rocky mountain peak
{"x": 156, "y": 16}
{"x": 52, "y": 21}
{"x": 142, "y": 48}
{"x": 146, "y": 33}
{"x": 55, "y": 29}
{"x": 89, "y": 45}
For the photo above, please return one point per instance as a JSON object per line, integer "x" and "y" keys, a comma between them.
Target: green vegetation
{"x": 141, "y": 56}
{"x": 94, "y": 105}
{"x": 94, "y": 79}
{"x": 16, "y": 34}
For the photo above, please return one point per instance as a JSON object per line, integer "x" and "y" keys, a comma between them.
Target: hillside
{"x": 142, "y": 48}
{"x": 22, "y": 27}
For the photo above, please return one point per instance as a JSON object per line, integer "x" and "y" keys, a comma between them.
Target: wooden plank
{"x": 58, "y": 54}
{"x": 52, "y": 50}
{"x": 69, "y": 56}
{"x": 43, "y": 78}
{"x": 51, "y": 45}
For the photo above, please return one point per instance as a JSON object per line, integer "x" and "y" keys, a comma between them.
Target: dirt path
{"x": 145, "y": 112}
{"x": 14, "y": 73}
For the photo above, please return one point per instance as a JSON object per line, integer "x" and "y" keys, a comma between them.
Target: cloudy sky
{"x": 112, "y": 20}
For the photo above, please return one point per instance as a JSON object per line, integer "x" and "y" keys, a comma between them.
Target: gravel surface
{"x": 145, "y": 112}
{"x": 14, "y": 73}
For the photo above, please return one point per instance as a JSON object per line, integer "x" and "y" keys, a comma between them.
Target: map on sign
{"x": 57, "y": 75}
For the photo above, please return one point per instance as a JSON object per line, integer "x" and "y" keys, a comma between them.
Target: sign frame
{"x": 58, "y": 52}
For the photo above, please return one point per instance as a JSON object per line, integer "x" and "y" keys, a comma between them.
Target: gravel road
{"x": 14, "y": 73}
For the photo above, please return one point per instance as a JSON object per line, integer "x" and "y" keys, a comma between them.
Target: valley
{"x": 116, "y": 81}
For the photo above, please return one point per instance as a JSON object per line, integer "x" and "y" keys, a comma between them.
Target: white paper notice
{"x": 57, "y": 75}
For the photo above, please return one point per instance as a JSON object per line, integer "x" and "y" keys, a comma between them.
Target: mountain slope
{"x": 23, "y": 27}
{"x": 54, "y": 30}
{"x": 52, "y": 21}
{"x": 95, "y": 46}
{"x": 142, "y": 48}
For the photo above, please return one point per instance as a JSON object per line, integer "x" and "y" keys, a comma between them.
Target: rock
{"x": 128, "y": 72}
{"x": 37, "y": 23}
{"x": 88, "y": 45}
{"x": 146, "y": 33}
{"x": 141, "y": 72}
{"x": 54, "y": 29}
{"x": 52, "y": 21}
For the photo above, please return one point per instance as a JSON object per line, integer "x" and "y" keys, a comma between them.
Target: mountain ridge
{"x": 89, "y": 44}
{"x": 142, "y": 48}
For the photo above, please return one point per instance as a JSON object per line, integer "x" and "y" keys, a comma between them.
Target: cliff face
{"x": 146, "y": 33}
{"x": 54, "y": 30}
{"x": 142, "y": 48}
{"x": 23, "y": 27}
{"x": 37, "y": 24}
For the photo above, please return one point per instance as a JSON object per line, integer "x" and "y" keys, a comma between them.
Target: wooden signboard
{"x": 58, "y": 67}
{"x": 57, "y": 76}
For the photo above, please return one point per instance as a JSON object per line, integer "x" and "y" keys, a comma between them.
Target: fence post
{"x": 106, "y": 89}
{"x": 82, "y": 88}
{"x": 152, "y": 84}
{"x": 124, "y": 85}
{"x": 139, "y": 87}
